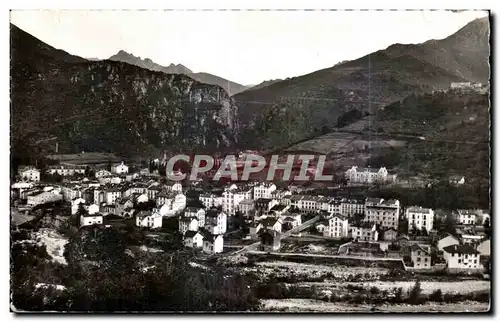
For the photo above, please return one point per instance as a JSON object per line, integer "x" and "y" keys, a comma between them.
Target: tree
{"x": 414, "y": 293}
{"x": 449, "y": 224}
{"x": 487, "y": 228}
{"x": 358, "y": 217}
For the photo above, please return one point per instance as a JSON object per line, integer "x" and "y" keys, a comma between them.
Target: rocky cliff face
{"x": 111, "y": 106}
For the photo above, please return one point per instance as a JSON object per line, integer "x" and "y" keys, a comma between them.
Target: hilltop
{"x": 230, "y": 87}
{"x": 307, "y": 106}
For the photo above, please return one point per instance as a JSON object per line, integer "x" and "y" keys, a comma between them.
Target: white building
{"x": 462, "y": 257}
{"x": 197, "y": 213}
{"x": 349, "y": 207}
{"x": 213, "y": 244}
{"x": 29, "y": 173}
{"x": 419, "y": 218}
{"x": 264, "y": 190}
{"x": 90, "y": 219}
{"x": 210, "y": 200}
{"x": 385, "y": 213}
{"x": 66, "y": 169}
{"x": 466, "y": 217}
{"x": 246, "y": 207}
{"x": 43, "y": 197}
{"x": 364, "y": 232}
{"x": 420, "y": 257}
{"x": 215, "y": 221}
{"x": 119, "y": 168}
{"x": 367, "y": 175}
{"x": 149, "y": 219}
{"x": 232, "y": 196}
{"x": 111, "y": 195}
{"x": 272, "y": 223}
{"x": 188, "y": 223}
{"x": 338, "y": 227}
{"x": 193, "y": 239}
{"x": 179, "y": 202}
{"x": 102, "y": 173}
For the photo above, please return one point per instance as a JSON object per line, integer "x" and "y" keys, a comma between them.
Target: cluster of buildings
{"x": 267, "y": 212}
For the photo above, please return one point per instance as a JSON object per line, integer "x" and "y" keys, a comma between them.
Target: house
{"x": 272, "y": 223}
{"x": 321, "y": 226}
{"x": 349, "y": 207}
{"x": 270, "y": 240}
{"x": 420, "y": 257}
{"x": 193, "y": 239}
{"x": 280, "y": 210}
{"x": 484, "y": 248}
{"x": 385, "y": 213}
{"x": 197, "y": 213}
{"x": 263, "y": 205}
{"x": 255, "y": 228}
{"x": 213, "y": 244}
{"x": 174, "y": 187}
{"x": 246, "y": 207}
{"x": 90, "y": 219}
{"x": 123, "y": 207}
{"x": 367, "y": 175}
{"x": 263, "y": 190}
{"x": 462, "y": 257}
{"x": 29, "y": 173}
{"x": 466, "y": 217}
{"x": 111, "y": 194}
{"x": 188, "y": 223}
{"x": 232, "y": 196}
{"x": 210, "y": 200}
{"x": 390, "y": 234}
{"x": 119, "y": 168}
{"x": 366, "y": 231}
{"x": 338, "y": 227}
{"x": 93, "y": 209}
{"x": 449, "y": 240}
{"x": 142, "y": 198}
{"x": 149, "y": 219}
{"x": 295, "y": 219}
{"x": 215, "y": 221}
{"x": 102, "y": 173}
{"x": 179, "y": 202}
{"x": 419, "y": 218}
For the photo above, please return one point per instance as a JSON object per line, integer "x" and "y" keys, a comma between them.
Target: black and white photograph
{"x": 250, "y": 161}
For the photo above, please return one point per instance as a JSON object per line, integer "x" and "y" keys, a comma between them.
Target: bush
{"x": 374, "y": 290}
{"x": 398, "y": 294}
{"x": 436, "y": 296}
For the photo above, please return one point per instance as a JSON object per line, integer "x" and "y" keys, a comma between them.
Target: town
{"x": 263, "y": 215}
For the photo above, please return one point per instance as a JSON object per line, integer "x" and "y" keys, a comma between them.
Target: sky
{"x": 246, "y": 47}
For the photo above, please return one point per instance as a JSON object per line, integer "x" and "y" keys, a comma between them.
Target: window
{"x": 425, "y": 259}
{"x": 475, "y": 261}
{"x": 418, "y": 259}
{"x": 459, "y": 261}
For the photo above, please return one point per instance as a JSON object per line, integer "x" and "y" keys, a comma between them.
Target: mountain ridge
{"x": 308, "y": 105}
{"x": 231, "y": 87}
{"x": 109, "y": 106}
